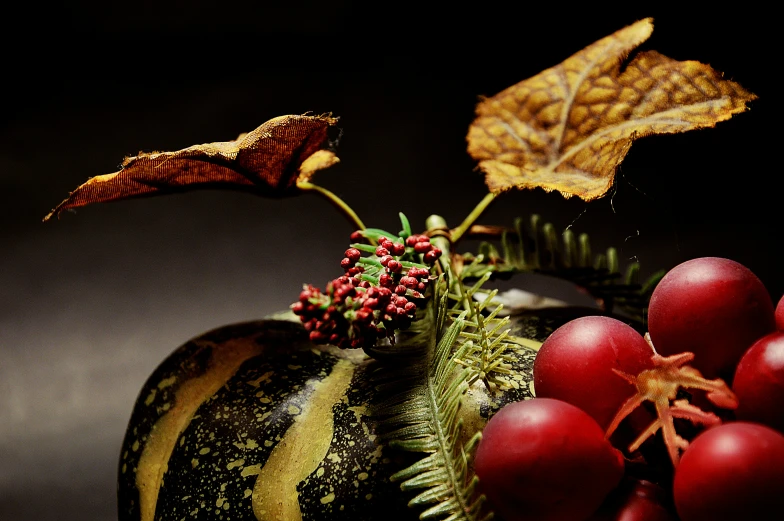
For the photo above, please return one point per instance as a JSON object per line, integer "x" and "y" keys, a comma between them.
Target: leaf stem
{"x": 341, "y": 205}
{"x": 458, "y": 232}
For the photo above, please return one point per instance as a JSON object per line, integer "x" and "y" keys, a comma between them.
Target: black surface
{"x": 90, "y": 304}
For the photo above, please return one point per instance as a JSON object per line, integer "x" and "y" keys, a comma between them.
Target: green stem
{"x": 337, "y": 201}
{"x": 458, "y": 232}
{"x": 436, "y": 222}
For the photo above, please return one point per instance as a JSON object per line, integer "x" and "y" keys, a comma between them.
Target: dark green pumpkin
{"x": 253, "y": 422}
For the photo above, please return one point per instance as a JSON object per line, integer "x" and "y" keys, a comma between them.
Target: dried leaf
{"x": 268, "y": 160}
{"x": 570, "y": 126}
{"x": 318, "y": 160}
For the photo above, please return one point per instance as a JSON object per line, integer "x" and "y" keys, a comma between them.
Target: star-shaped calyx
{"x": 660, "y": 385}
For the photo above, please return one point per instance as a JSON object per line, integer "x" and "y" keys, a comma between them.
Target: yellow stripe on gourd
{"x": 303, "y": 447}
{"x": 224, "y": 362}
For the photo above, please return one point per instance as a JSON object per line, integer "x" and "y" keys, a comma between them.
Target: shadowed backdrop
{"x": 92, "y": 302}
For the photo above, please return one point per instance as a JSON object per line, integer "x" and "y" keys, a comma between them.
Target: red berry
{"x": 780, "y": 314}
{"x": 356, "y": 236}
{"x": 386, "y": 280}
{"x": 400, "y": 289}
{"x": 345, "y": 291}
{"x": 575, "y": 364}
{"x": 432, "y": 256}
{"x": 353, "y": 254}
{"x": 731, "y": 472}
{"x": 635, "y": 500}
{"x": 411, "y": 240}
{"x": 545, "y": 460}
{"x": 381, "y": 251}
{"x": 713, "y": 307}
{"x": 759, "y": 382}
{"x": 399, "y": 300}
{"x": 317, "y": 337}
{"x": 394, "y": 266}
{"x": 385, "y": 259}
{"x": 398, "y": 248}
{"x": 423, "y": 247}
{"x": 409, "y": 282}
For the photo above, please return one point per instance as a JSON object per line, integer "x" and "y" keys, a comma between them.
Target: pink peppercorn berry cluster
{"x": 376, "y": 296}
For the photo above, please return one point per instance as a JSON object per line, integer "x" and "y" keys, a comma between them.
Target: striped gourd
{"x": 251, "y": 421}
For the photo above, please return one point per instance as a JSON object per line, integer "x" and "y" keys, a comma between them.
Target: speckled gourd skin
{"x": 252, "y": 422}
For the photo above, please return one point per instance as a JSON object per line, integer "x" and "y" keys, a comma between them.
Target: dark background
{"x": 90, "y": 304}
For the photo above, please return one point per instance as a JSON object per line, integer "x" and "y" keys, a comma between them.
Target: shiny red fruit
{"x": 575, "y": 364}
{"x": 635, "y": 500}
{"x": 759, "y": 382}
{"x": 780, "y": 314}
{"x": 545, "y": 460}
{"x": 732, "y": 472}
{"x": 713, "y": 307}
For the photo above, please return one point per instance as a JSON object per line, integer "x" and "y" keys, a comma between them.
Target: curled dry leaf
{"x": 269, "y": 160}
{"x": 570, "y": 126}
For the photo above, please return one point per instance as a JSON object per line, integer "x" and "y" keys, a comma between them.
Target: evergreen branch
{"x": 539, "y": 249}
{"x": 422, "y": 414}
{"x": 483, "y": 343}
{"x": 423, "y": 417}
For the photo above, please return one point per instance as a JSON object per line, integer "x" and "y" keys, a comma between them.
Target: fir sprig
{"x": 422, "y": 413}
{"x": 423, "y": 417}
{"x": 484, "y": 342}
{"x": 538, "y": 248}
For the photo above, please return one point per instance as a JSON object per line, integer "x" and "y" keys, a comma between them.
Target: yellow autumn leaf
{"x": 570, "y": 126}
{"x": 270, "y": 160}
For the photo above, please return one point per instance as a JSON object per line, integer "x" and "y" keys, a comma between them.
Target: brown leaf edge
{"x": 269, "y": 161}
{"x": 552, "y": 132}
